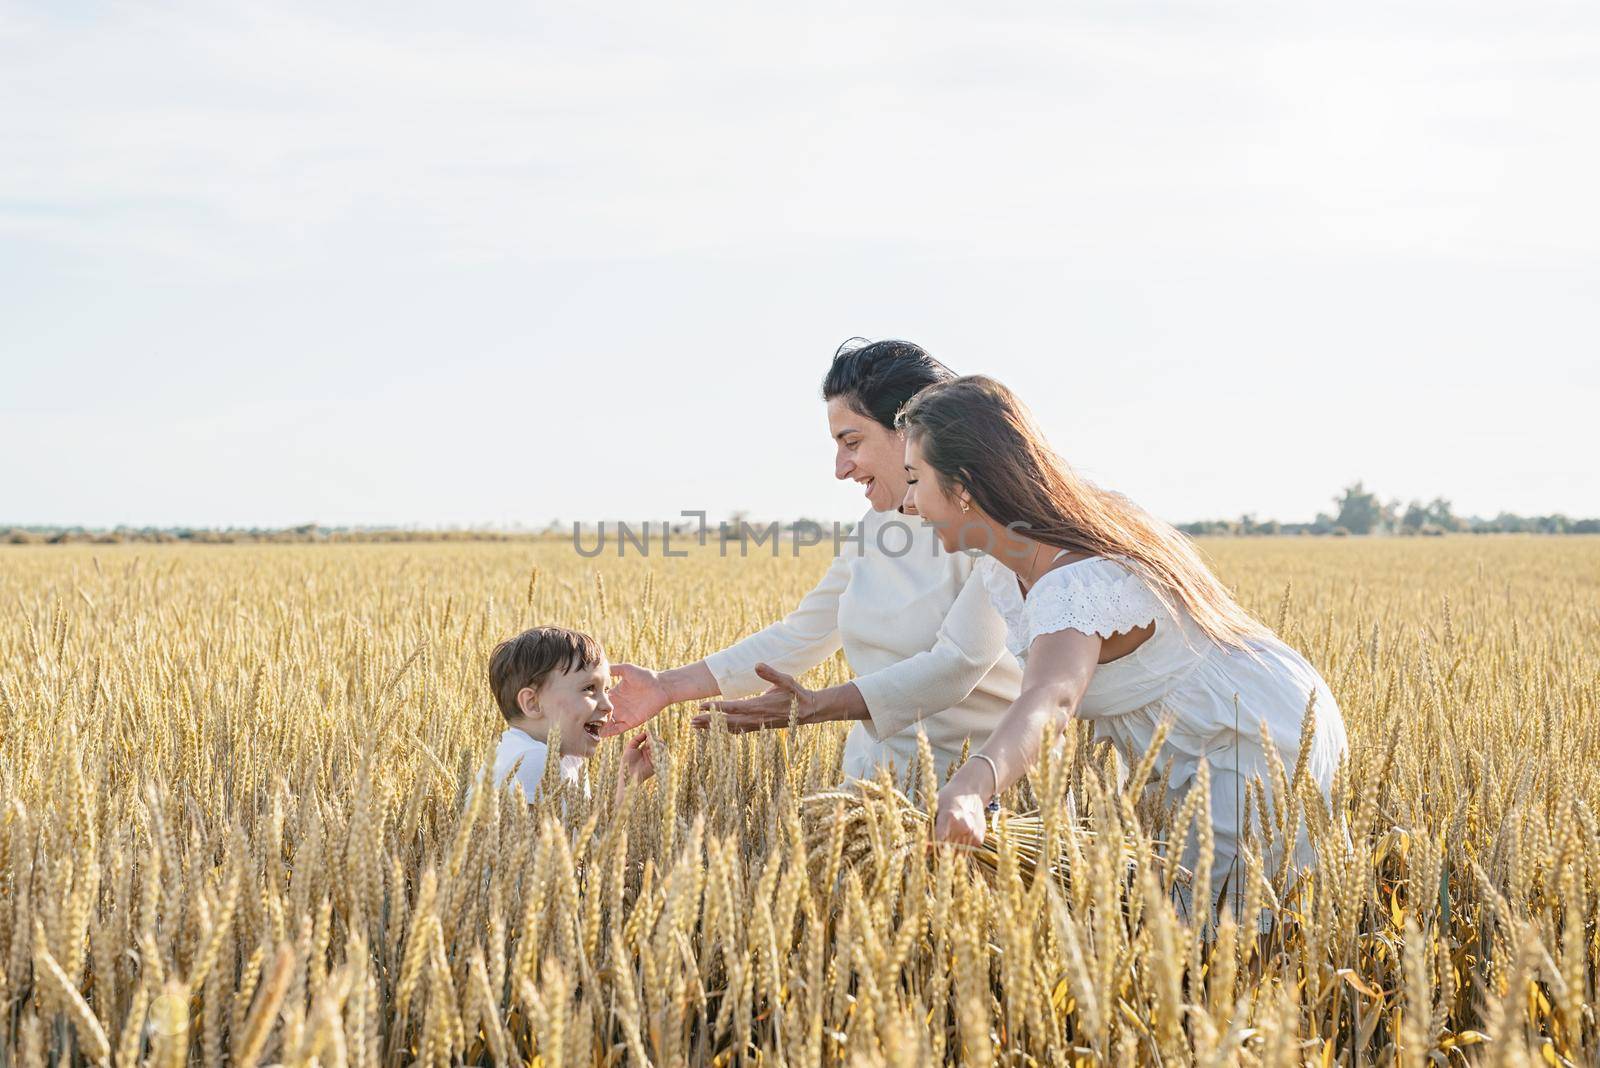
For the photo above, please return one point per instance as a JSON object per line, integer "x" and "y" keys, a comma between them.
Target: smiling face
{"x": 867, "y": 452}
{"x": 575, "y": 700}
{"x": 928, "y": 496}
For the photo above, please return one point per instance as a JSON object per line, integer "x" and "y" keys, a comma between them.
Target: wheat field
{"x": 237, "y": 830}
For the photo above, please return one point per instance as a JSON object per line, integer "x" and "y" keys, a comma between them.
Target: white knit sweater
{"x": 917, "y": 627}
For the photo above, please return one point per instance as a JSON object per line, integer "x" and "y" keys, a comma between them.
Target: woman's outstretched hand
{"x": 765, "y": 711}
{"x": 961, "y": 817}
{"x": 635, "y": 699}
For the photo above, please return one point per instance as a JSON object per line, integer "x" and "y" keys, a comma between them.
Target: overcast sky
{"x": 269, "y": 264}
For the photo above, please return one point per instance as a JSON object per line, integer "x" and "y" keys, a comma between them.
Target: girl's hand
{"x": 961, "y": 818}
{"x": 767, "y": 711}
{"x": 638, "y": 763}
{"x": 639, "y": 696}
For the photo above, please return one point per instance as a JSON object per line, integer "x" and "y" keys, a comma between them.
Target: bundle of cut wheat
{"x": 876, "y": 819}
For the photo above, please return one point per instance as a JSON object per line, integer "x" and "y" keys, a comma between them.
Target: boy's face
{"x": 576, "y": 701}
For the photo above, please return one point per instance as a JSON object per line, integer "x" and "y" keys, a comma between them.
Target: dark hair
{"x": 531, "y": 657}
{"x": 877, "y": 378}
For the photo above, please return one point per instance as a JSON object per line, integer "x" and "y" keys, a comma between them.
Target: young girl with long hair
{"x": 1116, "y": 618}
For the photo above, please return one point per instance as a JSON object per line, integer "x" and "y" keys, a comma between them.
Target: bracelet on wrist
{"x": 994, "y": 770}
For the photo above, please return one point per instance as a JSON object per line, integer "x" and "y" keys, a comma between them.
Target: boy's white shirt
{"x": 517, "y": 745}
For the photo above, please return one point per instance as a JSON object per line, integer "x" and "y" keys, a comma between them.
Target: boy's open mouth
{"x": 592, "y": 728}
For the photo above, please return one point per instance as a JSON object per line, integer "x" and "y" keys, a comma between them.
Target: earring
{"x": 965, "y": 507}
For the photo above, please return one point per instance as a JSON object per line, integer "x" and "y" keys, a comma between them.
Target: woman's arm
{"x": 640, "y": 693}
{"x": 970, "y": 640}
{"x": 1060, "y": 665}
{"x": 798, "y": 642}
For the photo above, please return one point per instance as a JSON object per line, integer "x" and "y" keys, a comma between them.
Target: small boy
{"x": 552, "y": 678}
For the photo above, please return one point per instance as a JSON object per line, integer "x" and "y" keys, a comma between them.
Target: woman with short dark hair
{"x": 927, "y": 648}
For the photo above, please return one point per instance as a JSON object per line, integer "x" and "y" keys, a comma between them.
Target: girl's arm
{"x": 773, "y": 709}
{"x": 1060, "y": 665}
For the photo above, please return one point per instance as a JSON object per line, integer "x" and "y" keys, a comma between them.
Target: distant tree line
{"x": 737, "y": 527}
{"x": 1357, "y": 510}
{"x": 1360, "y": 511}
{"x": 305, "y": 533}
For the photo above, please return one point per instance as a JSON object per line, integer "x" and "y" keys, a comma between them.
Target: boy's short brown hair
{"x": 531, "y": 657}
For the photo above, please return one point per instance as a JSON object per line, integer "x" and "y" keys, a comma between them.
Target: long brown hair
{"x": 974, "y": 431}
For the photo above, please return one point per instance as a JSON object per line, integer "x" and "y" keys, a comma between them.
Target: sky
{"x": 498, "y": 264}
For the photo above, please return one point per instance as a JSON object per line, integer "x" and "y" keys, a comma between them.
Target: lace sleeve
{"x": 1094, "y": 597}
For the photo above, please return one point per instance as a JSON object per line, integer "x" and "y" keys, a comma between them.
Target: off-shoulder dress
{"x": 1217, "y": 698}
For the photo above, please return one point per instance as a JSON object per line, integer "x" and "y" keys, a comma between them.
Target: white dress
{"x": 1217, "y": 698}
